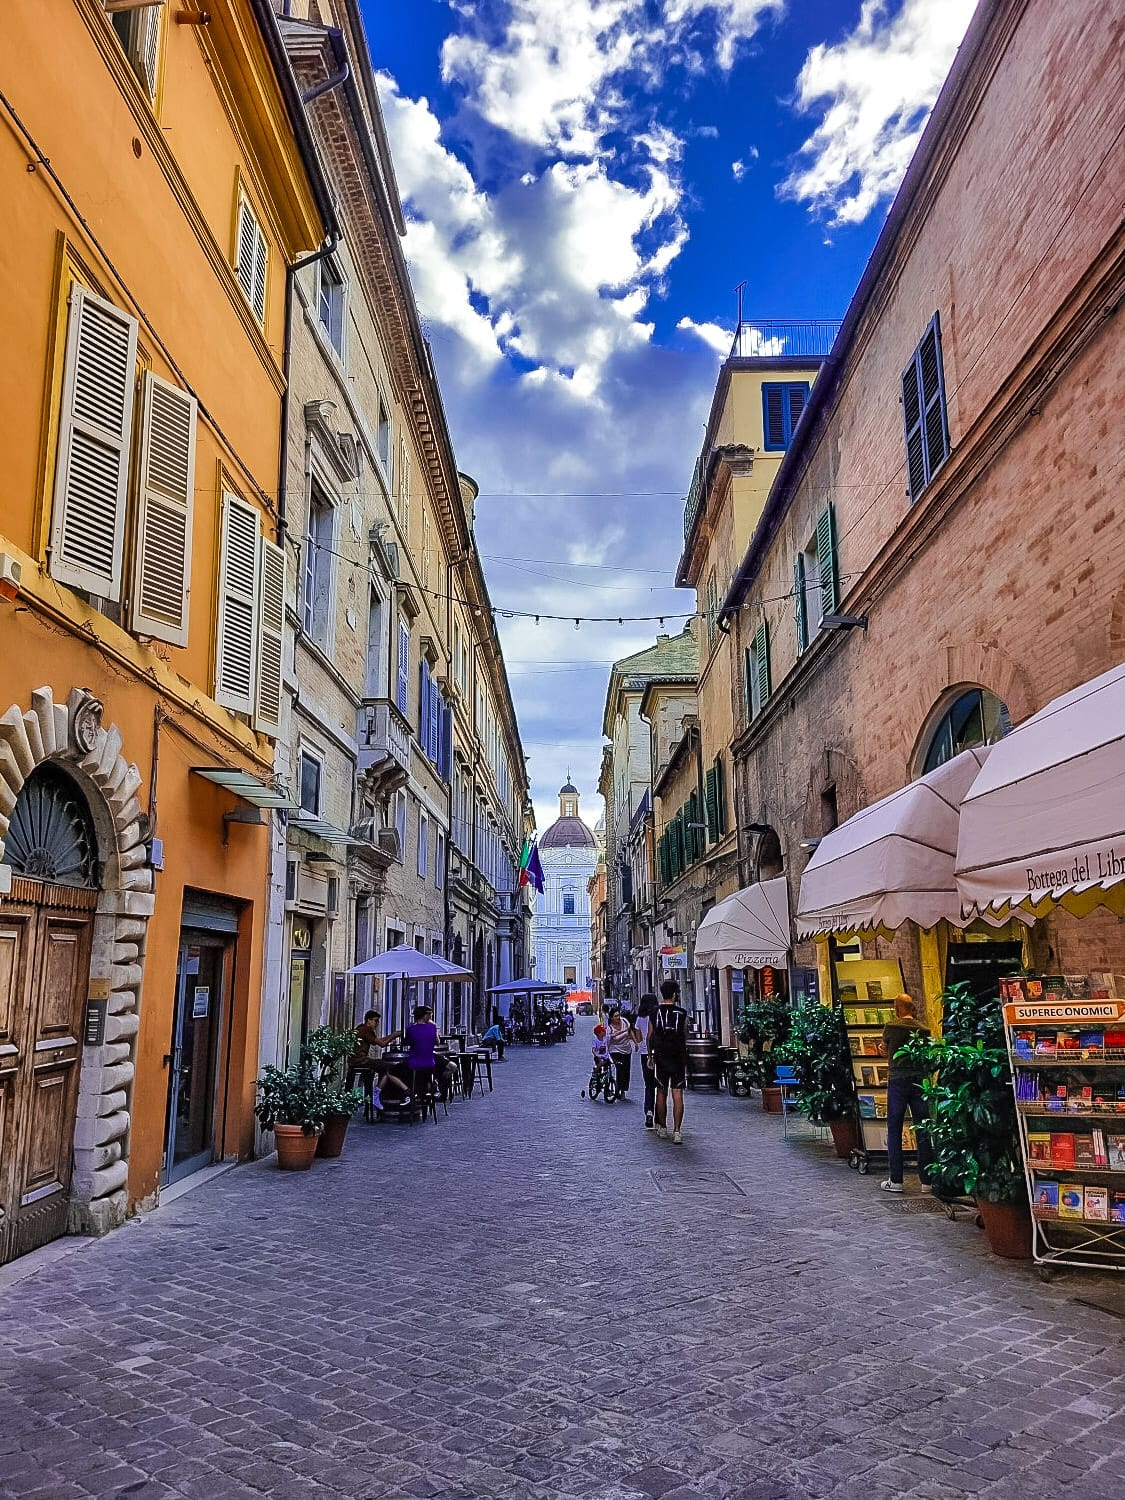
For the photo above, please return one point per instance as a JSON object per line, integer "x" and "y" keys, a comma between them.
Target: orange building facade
{"x": 159, "y": 187}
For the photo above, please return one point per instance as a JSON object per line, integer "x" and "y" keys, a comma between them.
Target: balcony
{"x": 384, "y": 746}
{"x": 774, "y": 338}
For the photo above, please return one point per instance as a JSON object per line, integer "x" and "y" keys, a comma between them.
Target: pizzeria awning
{"x": 892, "y": 862}
{"x": 1044, "y": 822}
{"x": 749, "y": 930}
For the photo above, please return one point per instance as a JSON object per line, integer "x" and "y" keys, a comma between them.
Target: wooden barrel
{"x": 703, "y": 1063}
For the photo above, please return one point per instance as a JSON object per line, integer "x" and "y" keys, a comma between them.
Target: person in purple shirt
{"x": 421, "y": 1037}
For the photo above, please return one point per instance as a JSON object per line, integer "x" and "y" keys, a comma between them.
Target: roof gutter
{"x": 827, "y": 382}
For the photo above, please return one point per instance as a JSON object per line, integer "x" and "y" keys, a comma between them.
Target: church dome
{"x": 567, "y": 833}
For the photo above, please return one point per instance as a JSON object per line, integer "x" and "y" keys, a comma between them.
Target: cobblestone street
{"x": 535, "y": 1298}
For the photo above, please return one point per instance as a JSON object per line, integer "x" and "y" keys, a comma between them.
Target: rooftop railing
{"x": 778, "y": 338}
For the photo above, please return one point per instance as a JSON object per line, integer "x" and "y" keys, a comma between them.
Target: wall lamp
{"x": 843, "y": 622}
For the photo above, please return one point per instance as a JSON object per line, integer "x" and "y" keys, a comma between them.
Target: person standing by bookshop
{"x": 643, "y": 1025}
{"x": 668, "y": 1043}
{"x": 904, "y": 1092}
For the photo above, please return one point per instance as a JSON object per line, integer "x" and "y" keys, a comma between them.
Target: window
{"x": 829, "y": 810}
{"x": 712, "y": 607}
{"x": 923, "y": 411}
{"x": 816, "y": 578}
{"x": 331, "y": 304}
{"x": 714, "y": 801}
{"x": 319, "y": 572}
{"x": 402, "y": 682}
{"x": 251, "y": 617}
{"x": 400, "y": 825}
{"x": 138, "y": 30}
{"x": 570, "y": 974}
{"x": 383, "y": 439}
{"x": 423, "y": 844}
{"x": 976, "y": 717}
{"x": 403, "y": 489}
{"x": 310, "y": 783}
{"x": 758, "y": 671}
{"x": 251, "y": 259}
{"x": 782, "y": 405}
{"x": 568, "y": 906}
{"x": 439, "y": 859}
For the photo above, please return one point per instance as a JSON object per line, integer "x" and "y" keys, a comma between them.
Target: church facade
{"x": 561, "y": 924}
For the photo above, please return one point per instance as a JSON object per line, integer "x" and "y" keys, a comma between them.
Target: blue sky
{"x": 586, "y": 182}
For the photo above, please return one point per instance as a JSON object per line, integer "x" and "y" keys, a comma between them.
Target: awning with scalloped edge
{"x": 749, "y": 930}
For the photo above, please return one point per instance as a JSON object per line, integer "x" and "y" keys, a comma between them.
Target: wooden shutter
{"x": 237, "y": 644}
{"x": 912, "y": 419}
{"x": 402, "y": 688}
{"x": 148, "y": 47}
{"x": 424, "y": 705}
{"x": 720, "y": 795}
{"x": 931, "y": 380}
{"x": 800, "y": 603}
{"x": 773, "y": 415}
{"x": 827, "y": 561}
{"x": 271, "y": 630}
{"x": 447, "y": 743}
{"x": 796, "y": 394}
{"x": 435, "y": 722}
{"x": 762, "y": 653}
{"x": 92, "y": 468}
{"x": 748, "y": 681}
{"x": 253, "y": 258}
{"x": 165, "y": 499}
{"x": 711, "y": 805}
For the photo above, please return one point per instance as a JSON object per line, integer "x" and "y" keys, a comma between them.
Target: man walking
{"x": 668, "y": 1047}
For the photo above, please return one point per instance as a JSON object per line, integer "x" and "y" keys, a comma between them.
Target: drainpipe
{"x": 328, "y": 84}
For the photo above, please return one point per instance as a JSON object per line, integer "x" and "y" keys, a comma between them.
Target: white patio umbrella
{"x": 405, "y": 962}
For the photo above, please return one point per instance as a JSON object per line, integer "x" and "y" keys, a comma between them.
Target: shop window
{"x": 782, "y": 405}
{"x": 310, "y": 783}
{"x": 975, "y": 717}
{"x": 923, "y": 411}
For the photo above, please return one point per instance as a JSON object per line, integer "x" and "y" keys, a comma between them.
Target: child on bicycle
{"x": 603, "y": 1063}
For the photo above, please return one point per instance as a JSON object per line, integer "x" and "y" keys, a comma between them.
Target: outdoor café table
{"x": 462, "y": 1060}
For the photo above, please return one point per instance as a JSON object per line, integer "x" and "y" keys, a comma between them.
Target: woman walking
{"x": 622, "y": 1039}
{"x": 643, "y": 1027}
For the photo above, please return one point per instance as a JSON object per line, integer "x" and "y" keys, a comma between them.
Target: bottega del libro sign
{"x": 1085, "y": 869}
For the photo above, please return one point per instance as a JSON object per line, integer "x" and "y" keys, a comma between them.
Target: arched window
{"x": 770, "y": 862}
{"x": 51, "y": 834}
{"x": 975, "y": 717}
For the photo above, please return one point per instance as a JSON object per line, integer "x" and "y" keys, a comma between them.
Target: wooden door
{"x": 44, "y": 970}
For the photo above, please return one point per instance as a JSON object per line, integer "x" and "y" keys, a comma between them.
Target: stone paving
{"x": 536, "y": 1300}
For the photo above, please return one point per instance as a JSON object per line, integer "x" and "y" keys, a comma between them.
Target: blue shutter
{"x": 424, "y": 705}
{"x": 773, "y": 416}
{"x": 447, "y": 743}
{"x": 435, "y": 723}
{"x": 402, "y": 689}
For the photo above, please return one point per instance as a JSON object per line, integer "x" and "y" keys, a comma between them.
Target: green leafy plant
{"x": 294, "y": 1097}
{"x": 817, "y": 1049}
{"x": 326, "y": 1048}
{"x": 973, "y": 1127}
{"x": 762, "y": 1025}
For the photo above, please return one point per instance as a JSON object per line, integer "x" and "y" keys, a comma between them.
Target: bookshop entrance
{"x": 982, "y": 965}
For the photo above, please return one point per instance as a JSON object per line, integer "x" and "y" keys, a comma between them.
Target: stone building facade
{"x": 568, "y": 852}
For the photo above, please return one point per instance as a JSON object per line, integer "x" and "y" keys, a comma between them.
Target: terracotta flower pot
{"x": 1007, "y": 1227}
{"x": 771, "y": 1099}
{"x": 295, "y": 1149}
{"x": 845, "y": 1137}
{"x": 331, "y": 1141}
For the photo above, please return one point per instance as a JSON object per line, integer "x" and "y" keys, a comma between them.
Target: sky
{"x": 586, "y": 183}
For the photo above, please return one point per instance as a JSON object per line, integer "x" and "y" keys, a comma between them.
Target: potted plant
{"x": 818, "y": 1051}
{"x": 326, "y": 1050}
{"x": 973, "y": 1128}
{"x": 761, "y": 1026}
{"x": 291, "y": 1104}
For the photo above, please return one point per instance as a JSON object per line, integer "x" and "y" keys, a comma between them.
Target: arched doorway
{"x": 46, "y": 930}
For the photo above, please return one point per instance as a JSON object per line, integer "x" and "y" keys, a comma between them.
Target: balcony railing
{"x": 383, "y": 733}
{"x": 776, "y": 338}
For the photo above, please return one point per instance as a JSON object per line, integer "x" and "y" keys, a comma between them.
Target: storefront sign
{"x": 758, "y": 960}
{"x": 1076, "y": 1011}
{"x": 673, "y": 956}
{"x": 1106, "y": 863}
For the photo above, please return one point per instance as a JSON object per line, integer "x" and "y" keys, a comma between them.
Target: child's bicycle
{"x": 602, "y": 1083}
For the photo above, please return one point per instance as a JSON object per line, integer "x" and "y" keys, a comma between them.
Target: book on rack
{"x": 1046, "y": 1043}
{"x": 872, "y": 1046}
{"x": 1091, "y": 1043}
{"x": 1117, "y": 1208}
{"x": 1077, "y": 986}
{"x": 1084, "y": 1154}
{"x": 1115, "y": 1152}
{"x": 855, "y": 1045}
{"x": 867, "y": 1076}
{"x": 1023, "y": 1044}
{"x": 1101, "y": 1155}
{"x": 1066, "y": 1044}
{"x": 848, "y": 994}
{"x": 866, "y": 1103}
{"x": 1071, "y": 1200}
{"x": 1062, "y": 1148}
{"x": 852, "y": 1017}
{"x": 1039, "y": 1148}
{"x": 1054, "y": 987}
{"x": 1046, "y": 1200}
{"x": 1114, "y": 1041}
{"x": 874, "y": 989}
{"x": 1097, "y": 1202}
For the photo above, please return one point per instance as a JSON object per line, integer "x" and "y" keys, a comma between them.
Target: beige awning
{"x": 749, "y": 930}
{"x": 1044, "y": 822}
{"x": 892, "y": 862}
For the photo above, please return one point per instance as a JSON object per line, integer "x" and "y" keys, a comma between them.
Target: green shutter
{"x": 762, "y": 652}
{"x": 827, "y": 561}
{"x": 720, "y": 796}
{"x": 695, "y": 815}
{"x": 800, "y": 603}
{"x": 747, "y": 682}
{"x": 712, "y": 802}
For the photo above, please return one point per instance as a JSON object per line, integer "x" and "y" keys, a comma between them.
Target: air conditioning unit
{"x": 388, "y": 842}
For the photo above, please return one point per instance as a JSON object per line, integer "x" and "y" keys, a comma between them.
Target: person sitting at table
{"x": 421, "y": 1038}
{"x": 364, "y": 1062}
{"x": 494, "y": 1037}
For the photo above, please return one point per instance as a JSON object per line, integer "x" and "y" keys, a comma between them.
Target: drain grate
{"x": 912, "y": 1205}
{"x": 697, "y": 1185}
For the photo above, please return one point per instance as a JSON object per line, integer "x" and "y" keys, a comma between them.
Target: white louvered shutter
{"x": 164, "y": 513}
{"x": 92, "y": 468}
{"x": 252, "y": 259}
{"x": 271, "y": 628}
{"x": 237, "y": 644}
{"x": 148, "y": 47}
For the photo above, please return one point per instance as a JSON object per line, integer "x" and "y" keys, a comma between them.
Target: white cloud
{"x": 738, "y": 170}
{"x": 735, "y": 20}
{"x": 714, "y": 335}
{"x": 875, "y": 89}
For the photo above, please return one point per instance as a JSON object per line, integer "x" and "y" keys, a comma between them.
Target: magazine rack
{"x": 1068, "y": 1074}
{"x": 867, "y": 989}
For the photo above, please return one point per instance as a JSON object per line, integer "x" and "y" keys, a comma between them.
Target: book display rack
{"x": 866, "y": 990}
{"x": 1066, "y": 1043}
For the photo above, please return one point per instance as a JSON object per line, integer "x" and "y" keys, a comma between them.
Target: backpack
{"x": 668, "y": 1035}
